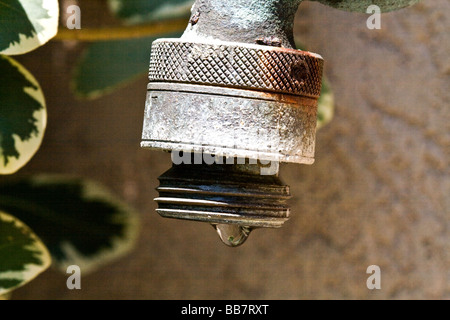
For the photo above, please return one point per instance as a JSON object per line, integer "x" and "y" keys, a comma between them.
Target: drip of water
{"x": 232, "y": 235}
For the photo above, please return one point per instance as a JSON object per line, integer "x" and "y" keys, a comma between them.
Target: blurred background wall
{"x": 378, "y": 193}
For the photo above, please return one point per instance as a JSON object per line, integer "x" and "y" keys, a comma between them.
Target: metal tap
{"x": 231, "y": 99}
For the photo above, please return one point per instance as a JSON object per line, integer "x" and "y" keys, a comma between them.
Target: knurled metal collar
{"x": 238, "y": 65}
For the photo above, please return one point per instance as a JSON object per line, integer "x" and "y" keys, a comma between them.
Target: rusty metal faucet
{"x": 231, "y": 99}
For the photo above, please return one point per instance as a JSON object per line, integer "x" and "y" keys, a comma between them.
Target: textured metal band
{"x": 238, "y": 65}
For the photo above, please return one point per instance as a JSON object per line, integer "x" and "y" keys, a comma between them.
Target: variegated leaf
{"x": 23, "y": 116}
{"x": 79, "y": 221}
{"x": 27, "y": 24}
{"x": 23, "y": 256}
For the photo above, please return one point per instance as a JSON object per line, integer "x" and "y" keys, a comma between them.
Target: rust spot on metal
{"x": 194, "y": 19}
{"x": 299, "y": 71}
{"x": 269, "y": 41}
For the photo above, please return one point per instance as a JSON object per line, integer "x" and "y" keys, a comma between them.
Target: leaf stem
{"x": 122, "y": 32}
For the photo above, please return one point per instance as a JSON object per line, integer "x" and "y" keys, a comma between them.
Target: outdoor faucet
{"x": 231, "y": 99}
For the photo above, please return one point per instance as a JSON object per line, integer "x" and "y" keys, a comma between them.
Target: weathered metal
{"x": 224, "y": 194}
{"x": 233, "y": 86}
{"x": 236, "y": 65}
{"x": 233, "y": 99}
{"x": 243, "y": 21}
{"x": 216, "y": 194}
{"x": 230, "y": 122}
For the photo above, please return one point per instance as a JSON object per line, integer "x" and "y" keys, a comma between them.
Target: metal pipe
{"x": 243, "y": 21}
{"x": 233, "y": 86}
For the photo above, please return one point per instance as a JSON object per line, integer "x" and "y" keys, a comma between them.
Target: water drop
{"x": 232, "y": 235}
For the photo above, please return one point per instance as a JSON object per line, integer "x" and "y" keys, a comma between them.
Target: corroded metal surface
{"x": 237, "y": 65}
{"x": 230, "y": 122}
{"x": 223, "y": 194}
{"x": 234, "y": 86}
{"x": 243, "y": 21}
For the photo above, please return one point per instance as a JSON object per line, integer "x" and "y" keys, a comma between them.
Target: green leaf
{"x": 23, "y": 116}
{"x": 27, "y": 24}
{"x": 80, "y": 222}
{"x": 138, "y": 11}
{"x": 325, "y": 110}
{"x": 22, "y": 254}
{"x": 108, "y": 65}
{"x": 362, "y": 5}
